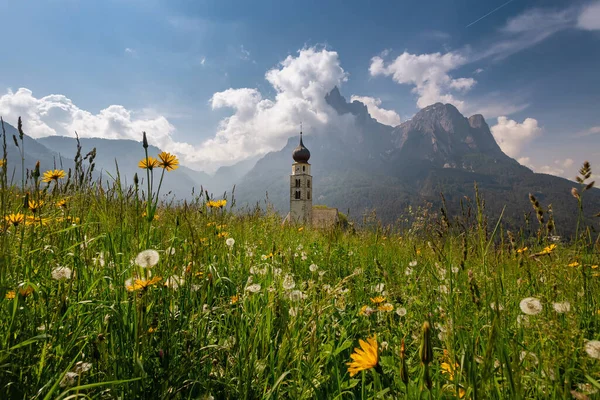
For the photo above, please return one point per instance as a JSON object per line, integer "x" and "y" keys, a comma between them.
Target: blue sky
{"x": 176, "y": 68}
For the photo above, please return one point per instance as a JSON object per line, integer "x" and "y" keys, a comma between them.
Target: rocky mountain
{"x": 387, "y": 169}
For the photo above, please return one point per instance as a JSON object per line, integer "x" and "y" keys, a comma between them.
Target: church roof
{"x": 301, "y": 153}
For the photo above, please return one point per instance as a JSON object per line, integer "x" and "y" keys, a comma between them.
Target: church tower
{"x": 301, "y": 186}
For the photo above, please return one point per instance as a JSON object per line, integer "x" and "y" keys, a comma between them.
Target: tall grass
{"x": 277, "y": 311}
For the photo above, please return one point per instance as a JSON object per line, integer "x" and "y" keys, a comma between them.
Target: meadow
{"x": 113, "y": 292}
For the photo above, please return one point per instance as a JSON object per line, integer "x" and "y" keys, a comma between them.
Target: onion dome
{"x": 301, "y": 153}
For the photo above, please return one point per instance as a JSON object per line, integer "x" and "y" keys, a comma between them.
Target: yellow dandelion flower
{"x": 216, "y": 203}
{"x": 61, "y": 203}
{"x": 573, "y": 264}
{"x": 235, "y": 299}
{"x": 523, "y": 250}
{"x": 15, "y": 219}
{"x": 386, "y": 307}
{"x": 53, "y": 175}
{"x": 594, "y": 266}
{"x": 25, "y": 291}
{"x": 377, "y": 299}
{"x": 211, "y": 224}
{"x": 151, "y": 330}
{"x": 148, "y": 163}
{"x": 143, "y": 284}
{"x": 168, "y": 161}
{"x": 365, "y": 311}
{"x": 418, "y": 252}
{"x": 219, "y": 227}
{"x": 10, "y": 295}
{"x": 364, "y": 358}
{"x": 548, "y": 249}
{"x": 222, "y": 234}
{"x": 300, "y": 229}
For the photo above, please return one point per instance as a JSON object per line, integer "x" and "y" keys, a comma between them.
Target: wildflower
{"x": 222, "y": 234}
{"x": 530, "y": 306}
{"x": 147, "y": 258}
{"x": 2, "y": 162}
{"x": 142, "y": 284}
{"x": 15, "y": 219}
{"x": 174, "y": 282}
{"x": 573, "y": 264}
{"x": 408, "y": 271}
{"x": 412, "y": 263}
{"x": 401, "y": 311}
{"x": 235, "y": 298}
{"x": 365, "y": 311}
{"x": 592, "y": 348}
{"x": 34, "y": 205}
{"x": 350, "y": 253}
{"x": 53, "y": 175}
{"x": 386, "y": 307}
{"x": 547, "y": 249}
{"x": 61, "y": 273}
{"x": 230, "y": 242}
{"x": 522, "y": 250}
{"x": 297, "y": 295}
{"x": 377, "y": 299}
{"x": 216, "y": 203}
{"x": 25, "y": 291}
{"x": 10, "y": 295}
{"x": 61, "y": 203}
{"x": 313, "y": 267}
{"x": 300, "y": 229}
{"x": 562, "y": 307}
{"x": 168, "y": 161}
{"x": 288, "y": 282}
{"x": 254, "y": 288}
{"x": 148, "y": 163}
{"x": 364, "y": 358}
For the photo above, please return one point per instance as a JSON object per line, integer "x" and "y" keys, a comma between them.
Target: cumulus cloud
{"x": 257, "y": 125}
{"x": 589, "y": 17}
{"x": 58, "y": 115}
{"x": 429, "y": 73}
{"x": 386, "y": 117}
{"x": 513, "y": 136}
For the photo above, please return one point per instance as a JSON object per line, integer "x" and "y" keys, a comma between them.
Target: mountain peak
{"x": 477, "y": 121}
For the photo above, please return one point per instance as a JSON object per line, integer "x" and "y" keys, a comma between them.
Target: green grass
{"x": 191, "y": 340}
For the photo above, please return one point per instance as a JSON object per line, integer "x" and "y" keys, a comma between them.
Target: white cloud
{"x": 589, "y": 18}
{"x": 256, "y": 126}
{"x": 478, "y": 71}
{"x": 566, "y": 163}
{"x": 590, "y": 131}
{"x": 58, "y": 115}
{"x": 550, "y": 170}
{"x": 203, "y": 61}
{"x": 387, "y": 117}
{"x": 513, "y": 136}
{"x": 429, "y": 73}
{"x": 526, "y": 161}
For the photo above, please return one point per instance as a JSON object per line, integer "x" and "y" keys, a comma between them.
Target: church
{"x": 302, "y": 211}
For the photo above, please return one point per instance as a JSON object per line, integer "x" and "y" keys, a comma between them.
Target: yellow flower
{"x": 222, "y": 235}
{"x": 155, "y": 217}
{"x": 168, "y": 161}
{"x": 377, "y": 299}
{"x": 594, "y": 266}
{"x": 300, "y": 229}
{"x": 365, "y": 311}
{"x": 364, "y": 358}
{"x": 573, "y": 264}
{"x": 35, "y": 205}
{"x": 548, "y": 249}
{"x": 10, "y": 295}
{"x": 53, "y": 175}
{"x": 211, "y": 224}
{"x": 25, "y": 291}
{"x": 15, "y": 219}
{"x": 139, "y": 284}
{"x": 450, "y": 370}
{"x": 235, "y": 299}
{"x": 62, "y": 203}
{"x": 2, "y": 162}
{"x": 216, "y": 203}
{"x": 386, "y": 307}
{"x": 219, "y": 227}
{"x": 524, "y": 249}
{"x": 418, "y": 252}
{"x": 148, "y": 163}
{"x": 151, "y": 330}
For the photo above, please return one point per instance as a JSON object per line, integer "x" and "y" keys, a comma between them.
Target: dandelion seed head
{"x": 230, "y": 242}
{"x": 288, "y": 282}
{"x": 313, "y": 267}
{"x": 401, "y": 311}
{"x": 530, "y": 306}
{"x": 592, "y": 348}
{"x": 562, "y": 307}
{"x": 61, "y": 273}
{"x": 147, "y": 258}
{"x": 412, "y": 263}
{"x": 253, "y": 288}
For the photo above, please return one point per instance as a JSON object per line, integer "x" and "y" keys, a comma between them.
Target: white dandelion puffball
{"x": 495, "y": 306}
{"x": 61, "y": 273}
{"x": 147, "y": 258}
{"x": 254, "y": 288}
{"x": 412, "y": 263}
{"x": 230, "y": 242}
{"x": 297, "y": 295}
{"x": 313, "y": 267}
{"x": 174, "y": 282}
{"x": 82, "y": 367}
{"x": 379, "y": 287}
{"x": 592, "y": 348}
{"x": 408, "y": 271}
{"x": 562, "y": 307}
{"x": 69, "y": 379}
{"x": 288, "y": 282}
{"x": 401, "y": 311}
{"x": 531, "y": 306}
